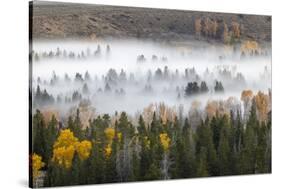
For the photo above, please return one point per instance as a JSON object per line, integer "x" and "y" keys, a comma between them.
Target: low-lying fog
{"x": 131, "y": 75}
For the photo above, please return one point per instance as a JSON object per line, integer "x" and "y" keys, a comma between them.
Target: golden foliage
{"x": 246, "y": 95}
{"x": 165, "y": 141}
{"x": 83, "y": 149}
{"x": 220, "y": 107}
{"x": 65, "y": 147}
{"x": 249, "y": 46}
{"x": 65, "y": 139}
{"x": 109, "y": 133}
{"x": 37, "y": 164}
{"x": 64, "y": 155}
{"x": 262, "y": 103}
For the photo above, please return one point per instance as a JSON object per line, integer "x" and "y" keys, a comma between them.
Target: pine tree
{"x": 51, "y": 132}
{"x": 218, "y": 87}
{"x": 39, "y": 136}
{"x": 202, "y": 169}
{"x": 261, "y": 152}
{"x": 224, "y": 151}
{"x": 204, "y": 139}
{"x": 145, "y": 157}
{"x": 248, "y": 156}
{"x": 75, "y": 125}
{"x": 153, "y": 172}
{"x": 97, "y": 164}
{"x": 216, "y": 130}
{"x": 141, "y": 127}
{"x": 203, "y": 87}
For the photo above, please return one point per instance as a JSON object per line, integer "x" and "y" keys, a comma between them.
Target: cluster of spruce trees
{"x": 193, "y": 88}
{"x": 221, "y": 145}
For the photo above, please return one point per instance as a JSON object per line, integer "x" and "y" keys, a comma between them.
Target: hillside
{"x": 83, "y": 21}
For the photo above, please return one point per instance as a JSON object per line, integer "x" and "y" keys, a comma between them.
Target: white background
{"x": 14, "y": 92}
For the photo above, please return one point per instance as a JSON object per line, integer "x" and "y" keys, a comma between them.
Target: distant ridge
{"x": 85, "y": 21}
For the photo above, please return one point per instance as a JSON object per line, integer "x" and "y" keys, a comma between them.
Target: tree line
{"x": 125, "y": 151}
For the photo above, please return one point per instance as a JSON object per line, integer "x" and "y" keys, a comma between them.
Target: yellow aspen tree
{"x": 249, "y": 46}
{"x": 262, "y": 103}
{"x": 109, "y": 133}
{"x": 83, "y": 149}
{"x": 64, "y": 156}
{"x": 65, "y": 147}
{"x": 247, "y": 95}
{"x": 165, "y": 141}
{"x": 66, "y": 138}
{"x": 37, "y": 164}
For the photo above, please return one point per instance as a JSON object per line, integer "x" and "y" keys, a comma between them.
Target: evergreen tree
{"x": 153, "y": 172}
{"x": 97, "y": 164}
{"x": 145, "y": 158}
{"x": 202, "y": 169}
{"x": 39, "y": 136}
{"x": 204, "y": 139}
{"x": 218, "y": 87}
{"x": 224, "y": 152}
{"x": 203, "y": 87}
{"x": 248, "y": 156}
{"x": 50, "y": 132}
{"x": 85, "y": 89}
{"x": 141, "y": 127}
